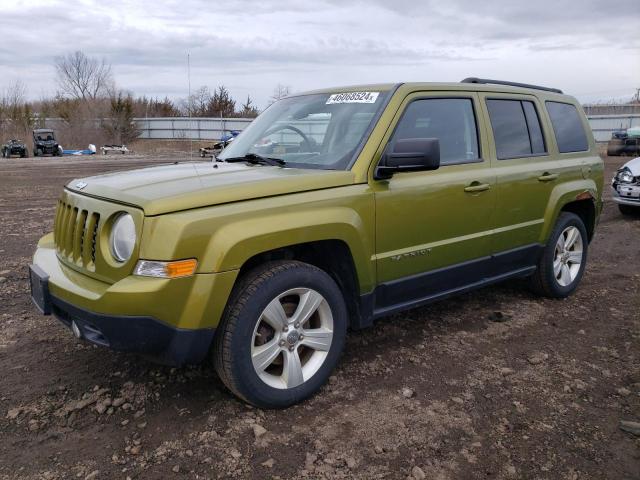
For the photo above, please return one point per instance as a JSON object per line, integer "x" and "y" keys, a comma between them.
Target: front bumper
{"x": 171, "y": 321}
{"x": 615, "y": 196}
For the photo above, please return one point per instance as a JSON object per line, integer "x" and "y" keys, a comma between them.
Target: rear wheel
{"x": 282, "y": 334}
{"x": 564, "y": 258}
{"x": 628, "y": 209}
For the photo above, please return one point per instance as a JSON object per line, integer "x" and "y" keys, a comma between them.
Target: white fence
{"x": 181, "y": 128}
{"x": 204, "y": 128}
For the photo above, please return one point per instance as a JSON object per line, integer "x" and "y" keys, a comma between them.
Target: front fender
{"x": 233, "y": 244}
{"x": 224, "y": 237}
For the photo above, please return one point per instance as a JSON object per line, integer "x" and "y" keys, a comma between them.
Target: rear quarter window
{"x": 568, "y": 127}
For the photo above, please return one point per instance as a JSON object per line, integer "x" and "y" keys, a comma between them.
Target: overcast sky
{"x": 588, "y": 48}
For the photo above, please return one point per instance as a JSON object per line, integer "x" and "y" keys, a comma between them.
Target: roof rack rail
{"x": 511, "y": 84}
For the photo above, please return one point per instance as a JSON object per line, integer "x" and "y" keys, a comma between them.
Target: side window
{"x": 516, "y": 128}
{"x": 567, "y": 127}
{"x": 451, "y": 120}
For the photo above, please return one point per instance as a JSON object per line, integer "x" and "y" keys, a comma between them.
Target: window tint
{"x": 568, "y": 128}
{"x": 516, "y": 128}
{"x": 450, "y": 120}
{"x": 509, "y": 128}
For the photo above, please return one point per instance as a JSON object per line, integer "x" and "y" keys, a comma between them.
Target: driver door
{"x": 433, "y": 228}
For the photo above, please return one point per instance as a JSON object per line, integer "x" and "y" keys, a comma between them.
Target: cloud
{"x": 252, "y": 45}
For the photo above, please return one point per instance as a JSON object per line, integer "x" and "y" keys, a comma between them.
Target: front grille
{"x": 75, "y": 234}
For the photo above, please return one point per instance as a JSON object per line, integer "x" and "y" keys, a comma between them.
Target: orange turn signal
{"x": 181, "y": 268}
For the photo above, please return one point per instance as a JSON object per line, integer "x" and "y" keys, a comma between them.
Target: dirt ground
{"x": 497, "y": 384}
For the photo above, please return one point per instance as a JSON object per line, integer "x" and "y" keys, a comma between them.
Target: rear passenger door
{"x": 525, "y": 173}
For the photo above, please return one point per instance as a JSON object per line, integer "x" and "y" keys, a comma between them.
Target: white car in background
{"x": 626, "y": 187}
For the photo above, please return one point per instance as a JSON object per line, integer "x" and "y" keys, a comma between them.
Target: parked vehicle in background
{"x": 217, "y": 147}
{"x": 14, "y": 147}
{"x": 332, "y": 209}
{"x": 44, "y": 143}
{"x": 122, "y": 149}
{"x": 626, "y": 187}
{"x": 624, "y": 142}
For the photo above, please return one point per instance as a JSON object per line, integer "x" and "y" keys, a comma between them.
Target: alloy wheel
{"x": 292, "y": 338}
{"x": 568, "y": 256}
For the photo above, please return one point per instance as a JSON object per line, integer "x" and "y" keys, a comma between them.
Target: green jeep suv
{"x": 332, "y": 209}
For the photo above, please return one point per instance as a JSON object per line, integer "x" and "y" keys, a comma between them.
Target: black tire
{"x": 234, "y": 336}
{"x": 544, "y": 281}
{"x": 629, "y": 210}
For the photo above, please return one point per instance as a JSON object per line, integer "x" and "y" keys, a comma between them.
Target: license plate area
{"x": 629, "y": 191}
{"x": 39, "y": 282}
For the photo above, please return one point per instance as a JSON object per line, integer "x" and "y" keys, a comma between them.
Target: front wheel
{"x": 282, "y": 334}
{"x": 564, "y": 258}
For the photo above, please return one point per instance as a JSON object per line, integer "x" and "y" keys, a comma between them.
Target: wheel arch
{"x": 580, "y": 198}
{"x": 333, "y": 256}
{"x": 586, "y": 210}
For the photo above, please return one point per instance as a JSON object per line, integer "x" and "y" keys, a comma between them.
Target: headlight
{"x": 625, "y": 176}
{"x": 123, "y": 237}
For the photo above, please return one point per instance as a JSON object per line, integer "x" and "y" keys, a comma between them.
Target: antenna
{"x": 189, "y": 107}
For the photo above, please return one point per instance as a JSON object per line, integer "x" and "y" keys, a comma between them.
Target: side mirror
{"x": 410, "y": 155}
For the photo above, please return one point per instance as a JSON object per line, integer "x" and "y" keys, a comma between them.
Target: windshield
{"x": 44, "y": 136}
{"x": 310, "y": 131}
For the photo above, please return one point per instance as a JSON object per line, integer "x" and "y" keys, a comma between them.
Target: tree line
{"x": 91, "y": 105}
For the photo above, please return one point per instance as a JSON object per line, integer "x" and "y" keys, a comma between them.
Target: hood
{"x": 634, "y": 166}
{"x": 171, "y": 188}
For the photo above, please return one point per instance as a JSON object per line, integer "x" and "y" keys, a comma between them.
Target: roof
{"x": 484, "y": 86}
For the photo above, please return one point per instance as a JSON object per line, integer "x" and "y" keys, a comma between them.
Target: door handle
{"x": 477, "y": 187}
{"x": 547, "y": 177}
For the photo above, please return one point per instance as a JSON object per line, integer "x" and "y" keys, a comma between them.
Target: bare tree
{"x": 82, "y": 77}
{"x": 16, "y": 115}
{"x": 198, "y": 101}
{"x": 280, "y": 92}
{"x": 14, "y": 95}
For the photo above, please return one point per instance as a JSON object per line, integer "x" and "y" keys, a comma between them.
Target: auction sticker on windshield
{"x": 353, "y": 97}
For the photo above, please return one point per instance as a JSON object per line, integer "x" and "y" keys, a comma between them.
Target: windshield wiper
{"x": 257, "y": 159}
